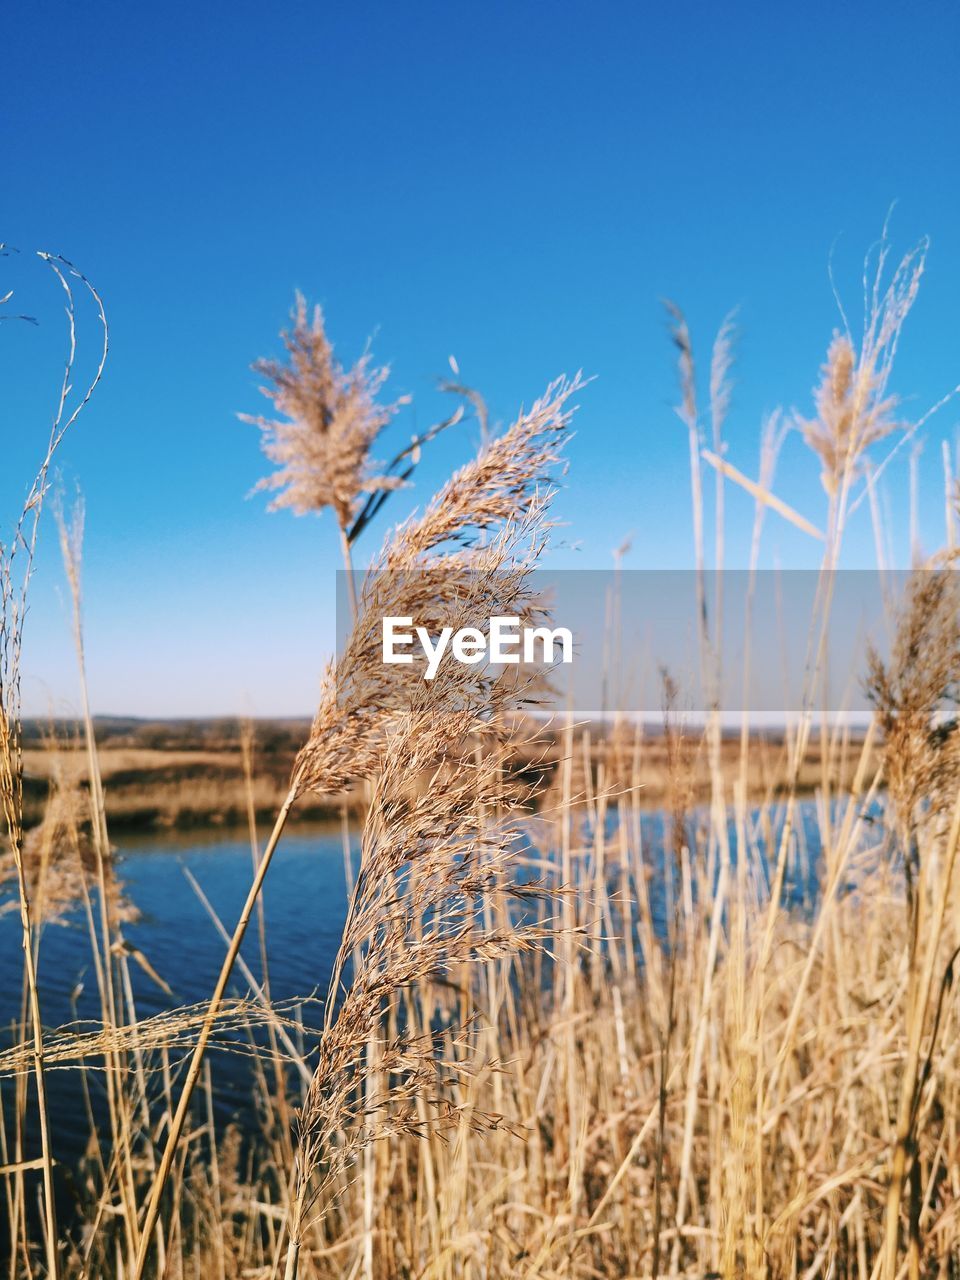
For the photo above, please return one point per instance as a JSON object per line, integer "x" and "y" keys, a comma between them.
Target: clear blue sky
{"x": 518, "y": 184}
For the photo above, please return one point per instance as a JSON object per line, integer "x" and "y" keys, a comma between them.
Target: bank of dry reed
{"x": 563, "y": 1044}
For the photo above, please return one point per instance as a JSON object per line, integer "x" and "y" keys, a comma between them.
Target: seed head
{"x": 330, "y": 418}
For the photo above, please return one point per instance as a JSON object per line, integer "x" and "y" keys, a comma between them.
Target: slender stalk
{"x": 348, "y": 569}
{"x": 206, "y": 1030}
{"x": 49, "y": 1204}
{"x": 370, "y": 1079}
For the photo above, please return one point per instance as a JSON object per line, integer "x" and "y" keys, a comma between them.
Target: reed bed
{"x": 559, "y": 1040}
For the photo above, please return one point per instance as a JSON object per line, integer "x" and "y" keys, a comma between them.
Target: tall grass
{"x": 560, "y": 1040}
{"x": 16, "y": 569}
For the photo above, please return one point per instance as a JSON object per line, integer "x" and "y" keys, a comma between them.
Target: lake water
{"x": 305, "y": 906}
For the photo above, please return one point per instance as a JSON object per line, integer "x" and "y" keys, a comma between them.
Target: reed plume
{"x": 432, "y": 894}
{"x": 330, "y": 419}
{"x": 913, "y": 695}
{"x": 502, "y": 486}
{"x": 59, "y": 854}
{"x": 854, "y": 409}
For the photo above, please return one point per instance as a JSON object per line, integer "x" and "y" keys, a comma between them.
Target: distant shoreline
{"x": 189, "y": 774}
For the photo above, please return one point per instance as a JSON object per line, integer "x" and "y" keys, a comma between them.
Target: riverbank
{"x": 192, "y": 774}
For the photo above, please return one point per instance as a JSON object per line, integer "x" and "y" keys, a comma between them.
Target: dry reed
{"x": 723, "y": 1044}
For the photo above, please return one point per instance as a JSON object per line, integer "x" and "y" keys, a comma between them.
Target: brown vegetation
{"x": 552, "y": 1048}
{"x": 198, "y": 780}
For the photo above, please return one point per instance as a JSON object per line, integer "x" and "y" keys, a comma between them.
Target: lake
{"x": 305, "y": 906}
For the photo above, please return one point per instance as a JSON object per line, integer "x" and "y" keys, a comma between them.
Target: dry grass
{"x": 654, "y": 1059}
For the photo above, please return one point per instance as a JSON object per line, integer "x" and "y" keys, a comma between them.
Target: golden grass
{"x": 653, "y": 1061}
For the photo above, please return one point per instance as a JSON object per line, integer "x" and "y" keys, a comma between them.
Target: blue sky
{"x": 517, "y": 184}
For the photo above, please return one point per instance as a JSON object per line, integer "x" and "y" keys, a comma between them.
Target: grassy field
{"x": 192, "y": 772}
{"x": 549, "y": 1049}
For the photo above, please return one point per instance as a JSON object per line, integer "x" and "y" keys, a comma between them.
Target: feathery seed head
{"x": 852, "y": 413}
{"x": 853, "y": 409}
{"x": 436, "y": 568}
{"x": 912, "y": 693}
{"x": 330, "y": 420}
